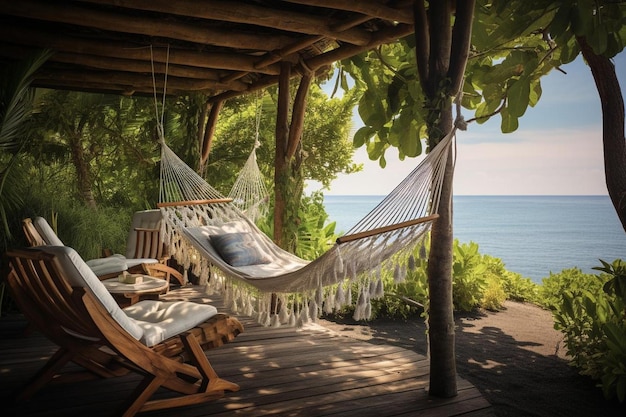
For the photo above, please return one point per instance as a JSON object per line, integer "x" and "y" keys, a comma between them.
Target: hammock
{"x": 195, "y": 212}
{"x": 249, "y": 193}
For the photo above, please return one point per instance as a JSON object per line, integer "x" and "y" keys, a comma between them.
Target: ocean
{"x": 533, "y": 235}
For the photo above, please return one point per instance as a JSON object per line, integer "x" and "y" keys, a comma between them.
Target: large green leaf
{"x": 362, "y": 136}
{"x": 518, "y": 97}
{"x": 372, "y": 110}
{"x": 509, "y": 122}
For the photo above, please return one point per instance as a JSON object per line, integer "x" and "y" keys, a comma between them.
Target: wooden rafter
{"x": 217, "y": 47}
{"x": 240, "y": 12}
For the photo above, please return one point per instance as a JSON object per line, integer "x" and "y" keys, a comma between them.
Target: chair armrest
{"x": 163, "y": 271}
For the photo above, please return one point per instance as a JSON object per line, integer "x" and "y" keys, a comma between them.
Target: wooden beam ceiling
{"x": 217, "y": 47}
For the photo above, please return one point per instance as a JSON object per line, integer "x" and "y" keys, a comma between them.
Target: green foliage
{"x": 479, "y": 281}
{"x": 99, "y": 146}
{"x": 326, "y": 148}
{"x": 514, "y": 44}
{"x": 493, "y": 295}
{"x": 468, "y": 276}
{"x": 617, "y": 285}
{"x": 16, "y": 107}
{"x": 556, "y": 284}
{"x": 591, "y": 312}
{"x": 314, "y": 234}
{"x": 519, "y": 288}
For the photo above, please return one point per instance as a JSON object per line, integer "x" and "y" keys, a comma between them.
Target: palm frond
{"x": 16, "y": 99}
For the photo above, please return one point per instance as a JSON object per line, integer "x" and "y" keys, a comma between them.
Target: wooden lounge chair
{"x": 145, "y": 253}
{"x": 162, "y": 341}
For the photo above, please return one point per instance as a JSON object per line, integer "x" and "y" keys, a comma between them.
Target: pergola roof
{"x": 221, "y": 48}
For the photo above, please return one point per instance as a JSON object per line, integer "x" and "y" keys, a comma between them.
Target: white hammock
{"x": 384, "y": 238}
{"x": 249, "y": 193}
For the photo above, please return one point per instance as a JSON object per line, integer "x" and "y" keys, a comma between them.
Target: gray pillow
{"x": 239, "y": 249}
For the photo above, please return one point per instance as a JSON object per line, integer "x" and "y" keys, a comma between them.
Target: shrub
{"x": 494, "y": 295}
{"x": 468, "y": 276}
{"x": 591, "y": 311}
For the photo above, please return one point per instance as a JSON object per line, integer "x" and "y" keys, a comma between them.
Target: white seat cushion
{"x": 161, "y": 320}
{"x": 46, "y": 232}
{"x": 148, "y": 321}
{"x": 106, "y": 266}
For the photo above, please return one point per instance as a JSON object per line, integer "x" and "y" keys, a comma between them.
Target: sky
{"x": 557, "y": 149}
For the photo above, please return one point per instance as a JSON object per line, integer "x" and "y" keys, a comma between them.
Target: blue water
{"x": 533, "y": 235}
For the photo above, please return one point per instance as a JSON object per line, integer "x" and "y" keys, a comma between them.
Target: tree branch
{"x": 461, "y": 39}
{"x": 422, "y": 42}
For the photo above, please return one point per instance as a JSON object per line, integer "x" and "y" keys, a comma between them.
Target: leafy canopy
{"x": 514, "y": 44}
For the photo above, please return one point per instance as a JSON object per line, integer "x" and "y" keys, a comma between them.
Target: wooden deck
{"x": 281, "y": 371}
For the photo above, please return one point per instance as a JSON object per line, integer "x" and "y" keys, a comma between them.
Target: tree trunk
{"x": 613, "y": 140}
{"x": 440, "y": 313}
{"x": 83, "y": 176}
{"x": 441, "y": 53}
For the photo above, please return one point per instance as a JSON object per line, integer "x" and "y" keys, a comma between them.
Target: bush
{"x": 591, "y": 311}
{"x": 494, "y": 295}
{"x": 468, "y": 276}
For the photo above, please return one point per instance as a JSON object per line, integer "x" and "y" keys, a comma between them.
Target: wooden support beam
{"x": 250, "y": 14}
{"x": 132, "y": 65}
{"x": 129, "y": 79}
{"x": 388, "y": 35}
{"x": 209, "y": 131}
{"x": 281, "y": 166}
{"x": 372, "y": 8}
{"x": 189, "y": 31}
{"x": 125, "y": 50}
{"x": 345, "y": 51}
{"x": 297, "y": 116}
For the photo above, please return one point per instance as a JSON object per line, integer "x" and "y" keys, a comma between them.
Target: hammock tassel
{"x": 283, "y": 314}
{"x": 339, "y": 263}
{"x": 367, "y": 314}
{"x": 379, "y": 292}
{"x": 411, "y": 263}
{"x": 292, "y": 321}
{"x": 329, "y": 303}
{"x": 423, "y": 254}
{"x": 340, "y": 297}
{"x": 275, "y": 321}
{"x": 313, "y": 310}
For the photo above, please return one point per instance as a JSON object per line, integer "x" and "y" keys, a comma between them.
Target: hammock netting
{"x": 290, "y": 290}
{"x": 249, "y": 193}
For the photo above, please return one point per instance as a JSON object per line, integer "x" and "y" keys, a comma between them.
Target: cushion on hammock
{"x": 239, "y": 249}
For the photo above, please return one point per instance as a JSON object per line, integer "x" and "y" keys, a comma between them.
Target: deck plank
{"x": 281, "y": 371}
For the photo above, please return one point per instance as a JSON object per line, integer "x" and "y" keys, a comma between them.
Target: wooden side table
{"x": 129, "y": 294}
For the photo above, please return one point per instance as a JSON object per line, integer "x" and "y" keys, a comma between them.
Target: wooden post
{"x": 209, "y": 130}
{"x": 281, "y": 167}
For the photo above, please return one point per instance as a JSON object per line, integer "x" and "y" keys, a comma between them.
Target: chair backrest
{"x": 144, "y": 237}
{"x": 32, "y": 234}
{"x": 51, "y": 272}
{"x": 48, "y": 235}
